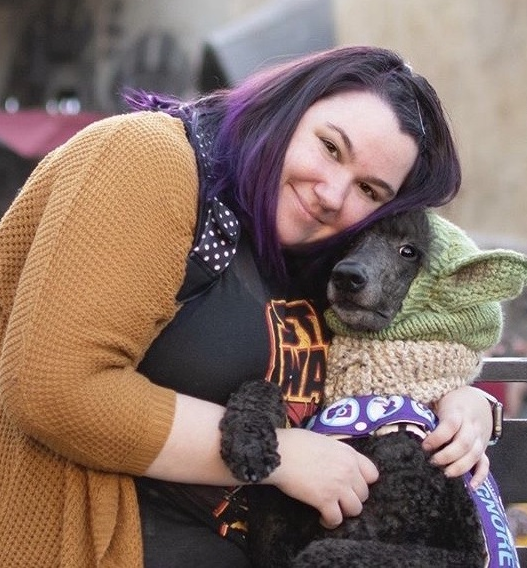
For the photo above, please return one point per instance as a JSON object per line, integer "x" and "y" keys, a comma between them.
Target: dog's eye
{"x": 409, "y": 251}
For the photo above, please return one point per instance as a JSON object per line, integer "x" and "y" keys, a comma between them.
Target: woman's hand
{"x": 460, "y": 439}
{"x": 315, "y": 469}
{"x": 324, "y": 473}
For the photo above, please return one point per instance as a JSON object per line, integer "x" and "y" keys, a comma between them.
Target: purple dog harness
{"x": 361, "y": 416}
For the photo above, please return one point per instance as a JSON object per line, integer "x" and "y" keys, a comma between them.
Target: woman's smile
{"x": 305, "y": 210}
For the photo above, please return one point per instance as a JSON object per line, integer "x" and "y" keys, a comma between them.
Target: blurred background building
{"x": 78, "y": 54}
{"x": 63, "y": 62}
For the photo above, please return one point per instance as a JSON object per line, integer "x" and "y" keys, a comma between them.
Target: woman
{"x": 102, "y": 463}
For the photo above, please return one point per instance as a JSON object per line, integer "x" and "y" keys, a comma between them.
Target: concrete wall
{"x": 475, "y": 53}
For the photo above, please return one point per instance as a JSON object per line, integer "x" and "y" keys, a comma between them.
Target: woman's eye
{"x": 331, "y": 148}
{"x": 368, "y": 190}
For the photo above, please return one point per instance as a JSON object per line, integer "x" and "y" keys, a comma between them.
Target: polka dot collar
{"x": 221, "y": 231}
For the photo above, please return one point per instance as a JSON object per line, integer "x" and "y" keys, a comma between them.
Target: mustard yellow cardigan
{"x": 92, "y": 253}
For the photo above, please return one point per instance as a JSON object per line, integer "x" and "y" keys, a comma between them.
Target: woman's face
{"x": 346, "y": 158}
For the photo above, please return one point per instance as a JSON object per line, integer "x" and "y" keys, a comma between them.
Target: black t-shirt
{"x": 240, "y": 329}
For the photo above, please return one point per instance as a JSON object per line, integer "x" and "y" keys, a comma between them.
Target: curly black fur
{"x": 248, "y": 441}
{"x": 414, "y": 516}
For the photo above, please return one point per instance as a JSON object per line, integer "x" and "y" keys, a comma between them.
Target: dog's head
{"x": 367, "y": 287}
{"x": 455, "y": 297}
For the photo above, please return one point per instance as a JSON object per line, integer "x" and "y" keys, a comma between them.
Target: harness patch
{"x": 360, "y": 416}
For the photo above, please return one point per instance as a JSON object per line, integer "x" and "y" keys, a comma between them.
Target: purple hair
{"x": 260, "y": 115}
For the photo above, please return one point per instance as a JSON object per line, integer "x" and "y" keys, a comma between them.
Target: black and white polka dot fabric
{"x": 219, "y": 237}
{"x": 219, "y": 231}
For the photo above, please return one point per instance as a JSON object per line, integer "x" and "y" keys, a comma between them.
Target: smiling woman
{"x": 347, "y": 157}
{"x": 159, "y": 259}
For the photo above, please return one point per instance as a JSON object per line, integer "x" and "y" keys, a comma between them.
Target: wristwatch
{"x": 497, "y": 417}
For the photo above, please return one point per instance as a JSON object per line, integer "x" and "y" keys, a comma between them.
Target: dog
{"x": 415, "y": 516}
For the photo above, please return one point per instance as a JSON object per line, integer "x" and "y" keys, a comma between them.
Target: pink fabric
{"x": 33, "y": 133}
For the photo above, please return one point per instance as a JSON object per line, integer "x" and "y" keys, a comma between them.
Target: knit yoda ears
{"x": 493, "y": 275}
{"x": 456, "y": 298}
{"x": 464, "y": 276}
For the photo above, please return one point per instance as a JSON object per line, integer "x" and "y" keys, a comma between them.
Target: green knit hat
{"x": 456, "y": 298}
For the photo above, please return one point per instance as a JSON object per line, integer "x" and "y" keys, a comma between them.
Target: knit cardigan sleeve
{"x": 105, "y": 260}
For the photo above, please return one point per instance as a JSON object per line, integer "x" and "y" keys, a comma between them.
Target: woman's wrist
{"x": 496, "y": 408}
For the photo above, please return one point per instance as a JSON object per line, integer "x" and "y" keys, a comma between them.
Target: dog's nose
{"x": 349, "y": 276}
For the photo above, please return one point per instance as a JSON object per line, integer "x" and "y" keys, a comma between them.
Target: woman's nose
{"x": 332, "y": 195}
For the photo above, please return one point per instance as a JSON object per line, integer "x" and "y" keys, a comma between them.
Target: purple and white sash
{"x": 499, "y": 541}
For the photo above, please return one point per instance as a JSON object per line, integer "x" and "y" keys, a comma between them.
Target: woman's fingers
{"x": 459, "y": 441}
{"x": 481, "y": 470}
{"x": 324, "y": 473}
{"x": 348, "y": 506}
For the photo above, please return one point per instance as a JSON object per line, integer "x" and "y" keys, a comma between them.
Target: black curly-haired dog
{"x": 415, "y": 516}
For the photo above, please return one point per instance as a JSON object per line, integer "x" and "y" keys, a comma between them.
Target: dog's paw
{"x": 248, "y": 437}
{"x": 249, "y": 449}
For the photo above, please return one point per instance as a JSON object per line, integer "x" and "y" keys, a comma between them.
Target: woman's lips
{"x": 305, "y": 208}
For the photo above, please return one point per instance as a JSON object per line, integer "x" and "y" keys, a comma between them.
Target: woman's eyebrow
{"x": 381, "y": 184}
{"x": 372, "y": 180}
{"x": 343, "y": 135}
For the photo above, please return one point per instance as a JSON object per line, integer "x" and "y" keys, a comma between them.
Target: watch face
{"x": 497, "y": 421}
{"x": 497, "y": 416}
